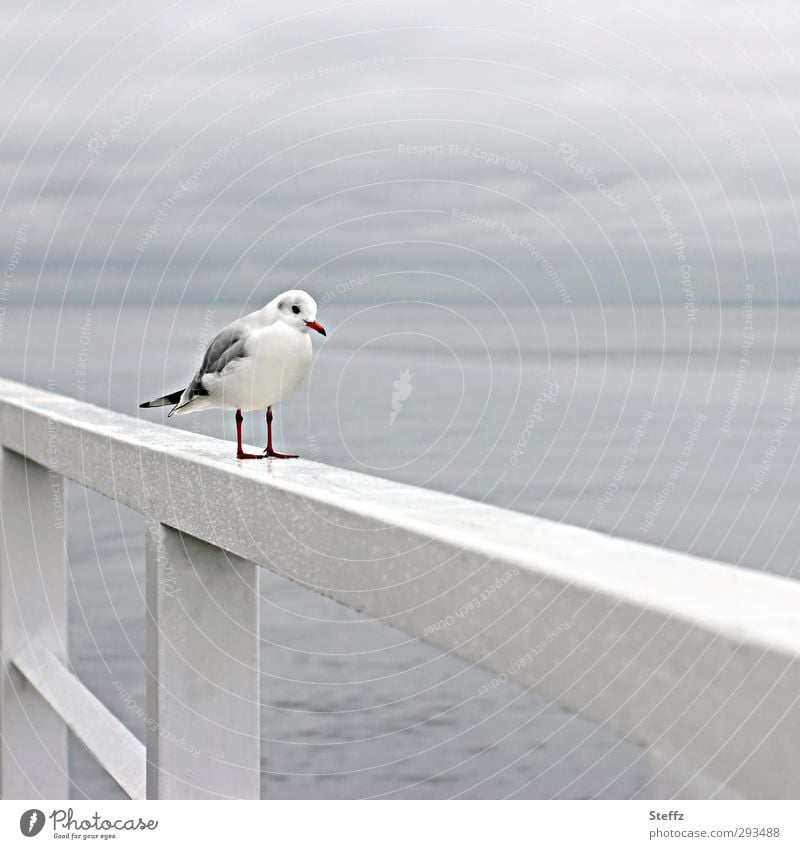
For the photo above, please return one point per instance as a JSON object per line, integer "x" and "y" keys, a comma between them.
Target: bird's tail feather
{"x": 164, "y": 400}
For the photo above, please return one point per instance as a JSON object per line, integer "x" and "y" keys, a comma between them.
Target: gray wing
{"x": 225, "y": 347}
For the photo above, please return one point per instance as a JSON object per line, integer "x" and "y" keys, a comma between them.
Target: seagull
{"x": 252, "y": 364}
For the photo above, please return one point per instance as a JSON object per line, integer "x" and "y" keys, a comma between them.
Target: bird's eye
{"x": 296, "y": 309}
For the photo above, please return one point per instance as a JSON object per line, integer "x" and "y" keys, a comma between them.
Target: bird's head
{"x": 299, "y": 310}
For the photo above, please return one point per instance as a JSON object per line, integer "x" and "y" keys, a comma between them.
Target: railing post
{"x": 33, "y": 754}
{"x": 203, "y": 728}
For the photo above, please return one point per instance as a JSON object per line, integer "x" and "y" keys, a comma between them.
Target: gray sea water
{"x": 650, "y": 423}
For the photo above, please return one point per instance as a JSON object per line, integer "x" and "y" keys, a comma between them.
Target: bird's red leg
{"x": 268, "y": 452}
{"x": 240, "y": 455}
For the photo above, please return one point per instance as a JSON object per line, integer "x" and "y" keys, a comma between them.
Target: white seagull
{"x": 252, "y": 364}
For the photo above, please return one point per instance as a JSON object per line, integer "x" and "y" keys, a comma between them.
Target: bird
{"x": 252, "y": 364}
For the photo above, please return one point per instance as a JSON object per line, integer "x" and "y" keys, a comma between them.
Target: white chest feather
{"x": 276, "y": 363}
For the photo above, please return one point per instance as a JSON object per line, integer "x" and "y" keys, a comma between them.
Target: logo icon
{"x": 401, "y": 389}
{"x": 31, "y": 822}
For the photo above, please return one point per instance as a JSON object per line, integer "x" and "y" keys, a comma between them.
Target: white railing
{"x": 696, "y": 660}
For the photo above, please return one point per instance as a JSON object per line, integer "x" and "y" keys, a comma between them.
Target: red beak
{"x": 315, "y": 325}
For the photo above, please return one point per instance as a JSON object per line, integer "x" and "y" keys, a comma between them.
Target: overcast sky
{"x": 559, "y": 151}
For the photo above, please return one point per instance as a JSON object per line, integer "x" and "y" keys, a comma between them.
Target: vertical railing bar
{"x": 33, "y": 754}
{"x": 203, "y": 728}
